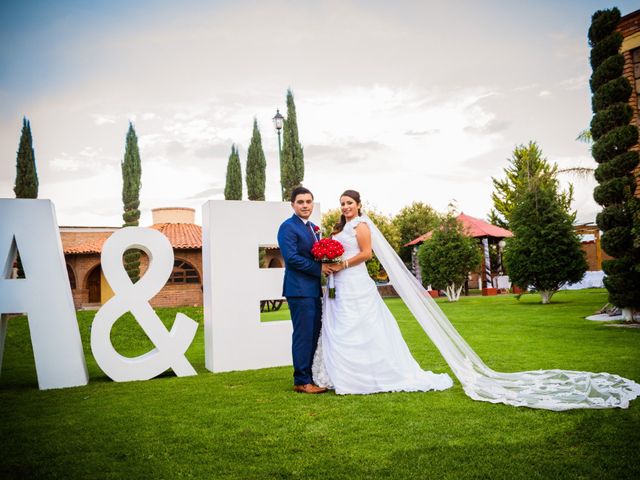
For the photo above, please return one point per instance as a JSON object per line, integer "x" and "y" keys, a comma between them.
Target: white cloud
{"x": 65, "y": 163}
{"x": 523, "y": 88}
{"x": 88, "y": 159}
{"x": 381, "y": 106}
{"x": 575, "y": 83}
{"x": 101, "y": 119}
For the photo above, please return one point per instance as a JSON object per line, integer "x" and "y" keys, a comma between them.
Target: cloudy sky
{"x": 400, "y": 100}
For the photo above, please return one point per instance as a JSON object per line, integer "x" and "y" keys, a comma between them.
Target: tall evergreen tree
{"x": 26, "y": 185}
{"x": 233, "y": 186}
{"x": 292, "y": 164}
{"x": 526, "y": 163}
{"x": 613, "y": 137}
{"x": 545, "y": 250}
{"x": 131, "y": 173}
{"x": 256, "y": 166}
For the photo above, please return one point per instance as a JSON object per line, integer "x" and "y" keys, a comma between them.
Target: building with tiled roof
{"x": 474, "y": 227}
{"x": 82, "y": 247}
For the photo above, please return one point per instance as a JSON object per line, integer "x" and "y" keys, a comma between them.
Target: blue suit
{"x": 303, "y": 292}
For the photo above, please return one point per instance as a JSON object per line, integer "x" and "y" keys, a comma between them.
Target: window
{"x": 183, "y": 272}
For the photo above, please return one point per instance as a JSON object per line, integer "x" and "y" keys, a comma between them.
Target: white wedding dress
{"x": 356, "y": 332}
{"x": 361, "y": 349}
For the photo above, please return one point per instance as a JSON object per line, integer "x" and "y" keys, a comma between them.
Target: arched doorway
{"x": 275, "y": 263}
{"x": 93, "y": 285}
{"x": 72, "y": 277}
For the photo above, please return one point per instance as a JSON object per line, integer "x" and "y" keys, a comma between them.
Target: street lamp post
{"x": 501, "y": 245}
{"x": 278, "y": 122}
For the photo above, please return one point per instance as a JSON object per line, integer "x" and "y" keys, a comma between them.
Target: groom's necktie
{"x": 313, "y": 234}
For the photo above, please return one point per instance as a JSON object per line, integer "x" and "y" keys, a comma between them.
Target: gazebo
{"x": 476, "y": 228}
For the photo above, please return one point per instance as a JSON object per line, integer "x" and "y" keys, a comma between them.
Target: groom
{"x": 302, "y": 287}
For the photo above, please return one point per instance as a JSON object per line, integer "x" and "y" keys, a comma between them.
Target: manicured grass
{"x": 251, "y": 425}
{"x": 281, "y": 314}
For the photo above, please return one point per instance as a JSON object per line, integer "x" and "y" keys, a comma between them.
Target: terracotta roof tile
{"x": 480, "y": 228}
{"x": 94, "y": 246}
{"x": 475, "y": 228}
{"x": 182, "y": 236}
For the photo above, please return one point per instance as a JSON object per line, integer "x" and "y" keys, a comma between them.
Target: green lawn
{"x": 251, "y": 425}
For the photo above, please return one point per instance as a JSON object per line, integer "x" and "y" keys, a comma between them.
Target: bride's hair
{"x": 343, "y": 221}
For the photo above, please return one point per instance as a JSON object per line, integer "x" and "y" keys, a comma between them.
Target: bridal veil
{"x": 547, "y": 389}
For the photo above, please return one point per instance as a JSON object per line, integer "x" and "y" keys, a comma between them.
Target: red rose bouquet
{"x": 328, "y": 250}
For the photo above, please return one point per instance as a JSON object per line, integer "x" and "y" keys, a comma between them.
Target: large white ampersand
{"x": 170, "y": 345}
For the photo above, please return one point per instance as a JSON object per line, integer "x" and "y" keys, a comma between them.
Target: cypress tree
{"x": 545, "y": 250}
{"x": 256, "y": 166}
{"x": 233, "y": 186}
{"x": 292, "y": 165}
{"x": 613, "y": 137}
{"x": 131, "y": 173}
{"x": 26, "y": 185}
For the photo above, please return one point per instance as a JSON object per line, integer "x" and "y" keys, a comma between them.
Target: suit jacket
{"x": 302, "y": 273}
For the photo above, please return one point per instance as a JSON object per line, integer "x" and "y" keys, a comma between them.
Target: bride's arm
{"x": 363, "y": 236}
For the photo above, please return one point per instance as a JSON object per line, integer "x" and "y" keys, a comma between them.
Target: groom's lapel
{"x": 307, "y": 229}
{"x": 299, "y": 224}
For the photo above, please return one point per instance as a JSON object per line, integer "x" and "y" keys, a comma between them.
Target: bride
{"x": 362, "y": 351}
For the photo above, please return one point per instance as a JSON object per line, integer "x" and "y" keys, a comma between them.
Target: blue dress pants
{"x": 306, "y": 316}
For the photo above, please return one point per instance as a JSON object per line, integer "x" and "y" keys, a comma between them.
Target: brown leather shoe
{"x": 309, "y": 388}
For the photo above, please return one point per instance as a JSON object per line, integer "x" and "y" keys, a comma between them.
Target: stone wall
{"x": 630, "y": 28}
{"x": 82, "y": 266}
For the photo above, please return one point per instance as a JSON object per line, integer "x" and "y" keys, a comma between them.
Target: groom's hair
{"x": 299, "y": 191}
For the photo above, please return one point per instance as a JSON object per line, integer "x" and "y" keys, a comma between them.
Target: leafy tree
{"x": 585, "y": 136}
{"x": 385, "y": 225}
{"x": 526, "y": 164}
{"x": 329, "y": 219}
{"x": 390, "y": 232}
{"x": 233, "y": 187}
{"x": 292, "y": 165}
{"x": 613, "y": 137}
{"x": 26, "y": 185}
{"x": 545, "y": 250}
{"x": 256, "y": 166}
{"x": 411, "y": 222}
{"x": 131, "y": 173}
{"x": 448, "y": 256}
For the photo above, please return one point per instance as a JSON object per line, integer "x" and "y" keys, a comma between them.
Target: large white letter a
{"x": 44, "y": 295}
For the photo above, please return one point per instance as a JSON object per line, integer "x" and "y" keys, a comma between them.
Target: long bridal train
{"x": 547, "y": 389}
